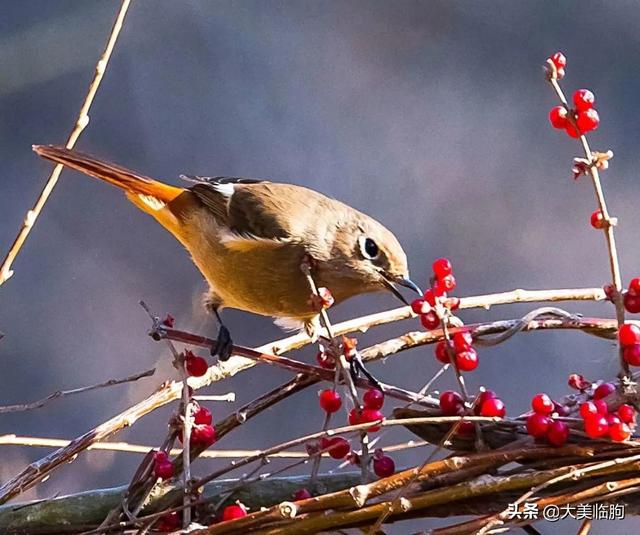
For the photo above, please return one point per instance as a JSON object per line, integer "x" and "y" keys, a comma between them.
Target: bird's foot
{"x": 223, "y": 347}
{"x": 356, "y": 366}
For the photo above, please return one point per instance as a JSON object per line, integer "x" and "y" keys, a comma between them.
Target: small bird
{"x": 250, "y": 238}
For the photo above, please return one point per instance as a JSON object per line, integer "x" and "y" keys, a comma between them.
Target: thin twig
{"x": 81, "y": 122}
{"x": 64, "y": 393}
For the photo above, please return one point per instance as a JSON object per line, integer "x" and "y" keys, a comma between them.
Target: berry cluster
{"x": 629, "y": 338}
{"x": 542, "y": 423}
{"x": 599, "y": 422}
{"x": 372, "y": 402}
{"x": 579, "y": 120}
{"x": 203, "y": 433}
{"x": 465, "y": 357}
{"x": 487, "y": 403}
{"x": 443, "y": 282}
{"x": 338, "y": 447}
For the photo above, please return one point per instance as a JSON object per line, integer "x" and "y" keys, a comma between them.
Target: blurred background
{"x": 430, "y": 116}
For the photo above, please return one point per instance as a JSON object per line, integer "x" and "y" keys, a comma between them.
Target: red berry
{"x": 339, "y": 448}
{"x": 231, "y": 512}
{"x": 202, "y": 416}
{"x": 430, "y": 297}
{"x": 557, "y": 433}
{"x": 538, "y": 424}
{"x": 619, "y": 432}
{"x": 371, "y": 415}
{"x": 634, "y": 286}
{"x": 195, "y": 365}
{"x": 631, "y": 355}
{"x": 571, "y": 130}
{"x": 588, "y": 409}
{"x": 204, "y": 435}
{"x": 612, "y": 419}
{"x": 430, "y": 320}
{"x": 442, "y": 354}
{"x": 163, "y": 470}
{"x": 603, "y": 390}
{"x": 330, "y": 401}
{"x": 493, "y": 407}
{"x": 420, "y": 306}
{"x": 542, "y": 403}
{"x": 558, "y": 117}
{"x": 467, "y": 361}
{"x": 373, "y": 399}
{"x": 441, "y": 268}
{"x": 595, "y": 425}
{"x": 462, "y": 341}
{"x": 481, "y": 398}
{"x": 559, "y": 60}
{"x": 355, "y": 416}
{"x": 626, "y": 413}
{"x": 631, "y": 303}
{"x": 597, "y": 220}
{"x": 302, "y": 494}
{"x": 587, "y": 121}
{"x": 466, "y": 429}
{"x": 629, "y": 335}
{"x": 583, "y": 99}
{"x": 169, "y": 522}
{"x": 601, "y": 406}
{"x": 325, "y": 360}
{"x": 447, "y": 283}
{"x": 578, "y": 382}
{"x": 161, "y": 457}
{"x": 384, "y": 466}
{"x": 560, "y": 74}
{"x": 451, "y": 403}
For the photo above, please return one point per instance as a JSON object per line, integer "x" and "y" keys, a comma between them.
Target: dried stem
{"x": 64, "y": 393}
{"x": 609, "y": 222}
{"x": 81, "y": 122}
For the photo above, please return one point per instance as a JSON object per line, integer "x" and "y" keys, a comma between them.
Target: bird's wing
{"x": 257, "y": 213}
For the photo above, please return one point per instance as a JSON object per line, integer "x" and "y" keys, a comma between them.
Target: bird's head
{"x": 366, "y": 257}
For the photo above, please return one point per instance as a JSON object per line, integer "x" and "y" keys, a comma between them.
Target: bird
{"x": 250, "y": 238}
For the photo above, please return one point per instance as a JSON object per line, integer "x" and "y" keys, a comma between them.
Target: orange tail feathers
{"x": 132, "y": 183}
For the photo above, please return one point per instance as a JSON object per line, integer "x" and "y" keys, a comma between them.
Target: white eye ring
{"x": 368, "y": 248}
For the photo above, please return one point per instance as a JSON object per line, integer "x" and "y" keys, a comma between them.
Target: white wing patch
{"x": 152, "y": 202}
{"x": 227, "y": 189}
{"x": 246, "y": 242}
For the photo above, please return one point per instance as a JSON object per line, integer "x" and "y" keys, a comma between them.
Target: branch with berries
{"x": 580, "y": 446}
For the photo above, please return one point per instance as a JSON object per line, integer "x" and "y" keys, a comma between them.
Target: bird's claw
{"x": 223, "y": 347}
{"x": 356, "y": 366}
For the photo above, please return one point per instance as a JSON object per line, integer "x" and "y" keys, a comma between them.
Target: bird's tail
{"x": 141, "y": 190}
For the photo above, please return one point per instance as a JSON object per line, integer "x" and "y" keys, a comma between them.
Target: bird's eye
{"x": 369, "y": 248}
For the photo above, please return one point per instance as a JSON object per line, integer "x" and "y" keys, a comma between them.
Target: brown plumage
{"x": 249, "y": 238}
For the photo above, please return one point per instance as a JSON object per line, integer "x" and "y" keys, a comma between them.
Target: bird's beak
{"x": 389, "y": 282}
